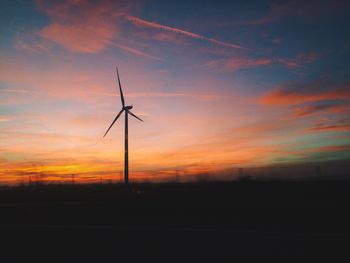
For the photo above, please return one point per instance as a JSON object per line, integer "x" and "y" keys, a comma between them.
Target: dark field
{"x": 175, "y": 222}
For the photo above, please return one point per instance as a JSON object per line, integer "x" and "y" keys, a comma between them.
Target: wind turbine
{"x": 127, "y": 111}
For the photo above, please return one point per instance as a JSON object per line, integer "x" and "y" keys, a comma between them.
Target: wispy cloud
{"x": 332, "y": 148}
{"x": 4, "y": 119}
{"x": 299, "y": 61}
{"x": 267, "y": 128}
{"x": 314, "y": 109}
{"x": 21, "y": 91}
{"x": 277, "y": 40}
{"x": 327, "y": 128}
{"x": 148, "y": 24}
{"x": 36, "y": 47}
{"x": 300, "y": 93}
{"x": 233, "y": 64}
{"x": 236, "y": 63}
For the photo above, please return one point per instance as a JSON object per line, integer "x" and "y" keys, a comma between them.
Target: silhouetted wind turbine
{"x": 127, "y": 112}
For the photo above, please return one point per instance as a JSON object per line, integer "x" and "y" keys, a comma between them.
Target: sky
{"x": 219, "y": 85}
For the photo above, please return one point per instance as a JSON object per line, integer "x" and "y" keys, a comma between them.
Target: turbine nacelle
{"x": 127, "y": 107}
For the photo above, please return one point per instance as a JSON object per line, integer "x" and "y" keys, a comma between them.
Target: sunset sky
{"x": 219, "y": 86}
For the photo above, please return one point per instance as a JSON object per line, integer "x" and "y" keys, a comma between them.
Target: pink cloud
{"x": 84, "y": 38}
{"x": 165, "y": 37}
{"x": 299, "y": 61}
{"x": 17, "y": 91}
{"x": 89, "y": 27}
{"x": 308, "y": 57}
{"x": 233, "y": 64}
{"x": 289, "y": 63}
{"x": 159, "y": 36}
{"x": 277, "y": 41}
{"x": 85, "y": 26}
{"x": 4, "y": 119}
{"x": 79, "y": 26}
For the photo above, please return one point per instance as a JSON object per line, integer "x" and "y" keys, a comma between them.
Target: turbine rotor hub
{"x": 127, "y": 107}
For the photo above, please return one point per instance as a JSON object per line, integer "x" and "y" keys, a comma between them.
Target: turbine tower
{"x": 127, "y": 111}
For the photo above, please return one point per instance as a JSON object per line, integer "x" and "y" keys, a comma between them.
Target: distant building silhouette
{"x": 318, "y": 171}
{"x": 240, "y": 172}
{"x": 177, "y": 176}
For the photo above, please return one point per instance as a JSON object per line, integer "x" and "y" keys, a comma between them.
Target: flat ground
{"x": 175, "y": 222}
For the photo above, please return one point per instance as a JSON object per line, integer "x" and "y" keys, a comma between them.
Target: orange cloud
{"x": 267, "y": 127}
{"x": 313, "y": 109}
{"x": 326, "y": 128}
{"x": 143, "y": 23}
{"x": 323, "y": 149}
{"x": 332, "y": 148}
{"x": 283, "y": 97}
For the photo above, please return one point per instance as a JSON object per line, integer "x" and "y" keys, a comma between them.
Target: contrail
{"x": 135, "y": 51}
{"x": 143, "y": 23}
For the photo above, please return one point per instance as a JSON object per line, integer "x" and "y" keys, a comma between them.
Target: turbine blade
{"x": 134, "y": 115}
{"x": 120, "y": 89}
{"x": 113, "y": 122}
